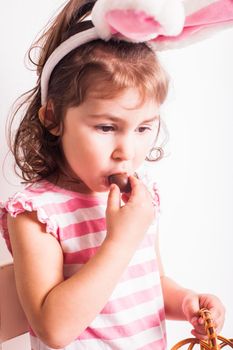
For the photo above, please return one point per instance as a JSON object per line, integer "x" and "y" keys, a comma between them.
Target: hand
{"x": 192, "y": 303}
{"x": 128, "y": 224}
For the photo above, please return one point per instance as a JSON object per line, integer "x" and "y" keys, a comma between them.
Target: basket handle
{"x": 211, "y": 343}
{"x": 209, "y": 328}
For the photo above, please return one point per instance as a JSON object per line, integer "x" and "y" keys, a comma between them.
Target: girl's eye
{"x": 143, "y": 129}
{"x": 105, "y": 128}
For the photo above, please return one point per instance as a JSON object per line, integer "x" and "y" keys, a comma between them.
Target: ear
{"x": 46, "y": 116}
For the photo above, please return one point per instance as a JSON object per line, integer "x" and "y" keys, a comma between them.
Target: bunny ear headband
{"x": 165, "y": 24}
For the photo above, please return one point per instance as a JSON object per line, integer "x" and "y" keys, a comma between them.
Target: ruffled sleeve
{"x": 155, "y": 195}
{"x": 18, "y": 204}
{"x": 146, "y": 175}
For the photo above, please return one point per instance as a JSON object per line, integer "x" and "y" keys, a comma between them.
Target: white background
{"x": 196, "y": 177}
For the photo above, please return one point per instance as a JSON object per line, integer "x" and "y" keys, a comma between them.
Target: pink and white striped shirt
{"x": 134, "y": 316}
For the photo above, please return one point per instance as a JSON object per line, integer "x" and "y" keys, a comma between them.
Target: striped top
{"x": 134, "y": 317}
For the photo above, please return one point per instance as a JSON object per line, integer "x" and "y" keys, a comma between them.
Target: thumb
{"x": 114, "y": 198}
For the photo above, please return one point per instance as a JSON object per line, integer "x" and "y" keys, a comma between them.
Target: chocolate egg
{"x": 121, "y": 180}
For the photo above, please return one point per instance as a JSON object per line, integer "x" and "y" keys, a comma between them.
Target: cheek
{"x": 72, "y": 151}
{"x": 148, "y": 143}
{"x": 142, "y": 152}
{"x": 68, "y": 146}
{"x": 144, "y": 148}
{"x": 152, "y": 140}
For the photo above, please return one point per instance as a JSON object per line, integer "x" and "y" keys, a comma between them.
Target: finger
{"x": 139, "y": 194}
{"x": 218, "y": 322}
{"x": 114, "y": 198}
{"x": 130, "y": 196}
{"x": 199, "y": 328}
{"x": 137, "y": 187}
{"x": 217, "y": 314}
{"x": 199, "y": 335}
{"x": 133, "y": 182}
{"x": 197, "y": 321}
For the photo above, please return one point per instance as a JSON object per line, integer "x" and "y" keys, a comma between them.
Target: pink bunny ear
{"x": 138, "y": 20}
{"x": 205, "y": 19}
{"x": 134, "y": 25}
{"x": 166, "y": 23}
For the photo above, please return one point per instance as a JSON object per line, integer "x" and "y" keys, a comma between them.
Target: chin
{"x": 103, "y": 188}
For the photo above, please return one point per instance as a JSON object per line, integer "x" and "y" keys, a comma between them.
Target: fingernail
{"x": 201, "y": 321}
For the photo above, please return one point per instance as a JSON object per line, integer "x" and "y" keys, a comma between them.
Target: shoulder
{"x": 34, "y": 202}
{"x": 52, "y": 206}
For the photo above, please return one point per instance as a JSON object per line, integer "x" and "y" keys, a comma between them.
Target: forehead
{"x": 129, "y": 99}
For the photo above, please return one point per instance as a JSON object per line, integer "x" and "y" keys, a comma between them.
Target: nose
{"x": 124, "y": 148}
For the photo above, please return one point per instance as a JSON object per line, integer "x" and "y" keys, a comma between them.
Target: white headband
{"x": 165, "y": 24}
{"x": 59, "y": 53}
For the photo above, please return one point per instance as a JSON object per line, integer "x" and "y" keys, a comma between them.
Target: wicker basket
{"x": 214, "y": 342}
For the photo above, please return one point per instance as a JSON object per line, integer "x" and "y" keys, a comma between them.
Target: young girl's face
{"x": 107, "y": 136}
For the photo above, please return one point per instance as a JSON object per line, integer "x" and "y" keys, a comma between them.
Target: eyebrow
{"x": 118, "y": 119}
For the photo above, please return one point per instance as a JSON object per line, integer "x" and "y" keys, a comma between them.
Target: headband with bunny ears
{"x": 165, "y": 24}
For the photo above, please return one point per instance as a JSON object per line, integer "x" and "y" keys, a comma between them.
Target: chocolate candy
{"x": 121, "y": 180}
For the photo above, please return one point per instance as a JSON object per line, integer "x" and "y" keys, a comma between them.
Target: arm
{"x": 183, "y": 304}
{"x": 59, "y": 310}
{"x": 173, "y": 293}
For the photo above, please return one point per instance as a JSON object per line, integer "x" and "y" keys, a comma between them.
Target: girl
{"x": 87, "y": 263}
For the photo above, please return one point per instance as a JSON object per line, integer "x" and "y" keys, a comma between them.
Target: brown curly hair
{"x": 106, "y": 68}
